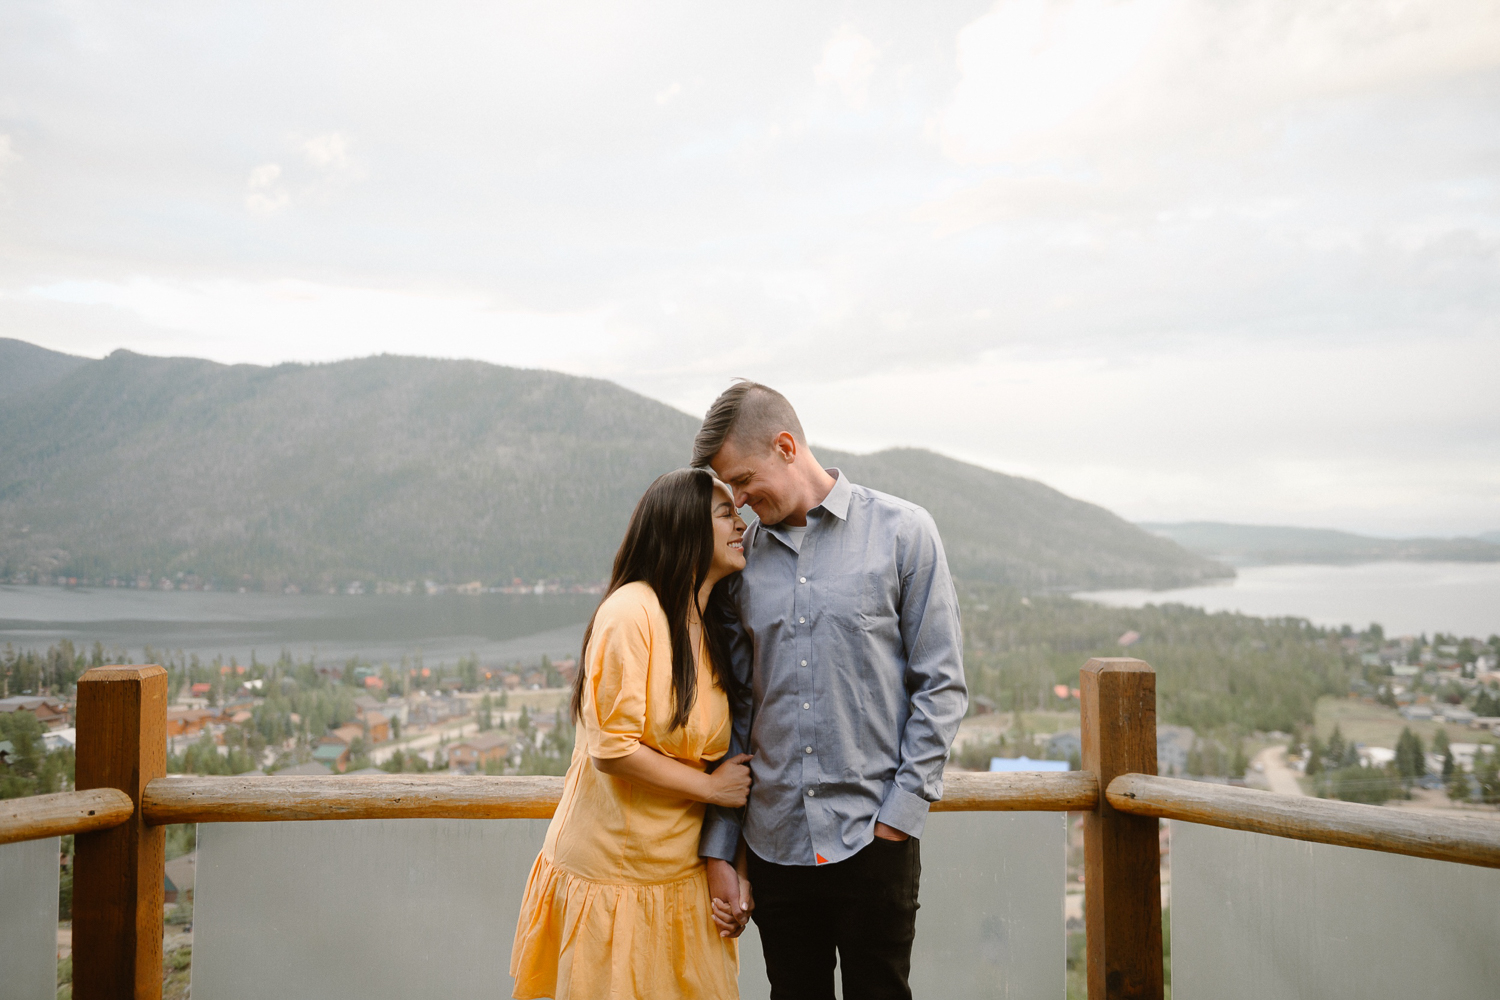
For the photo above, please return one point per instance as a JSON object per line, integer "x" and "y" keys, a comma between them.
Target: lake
{"x": 500, "y": 628}
{"x": 1406, "y": 598}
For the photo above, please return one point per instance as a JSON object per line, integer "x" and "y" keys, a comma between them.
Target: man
{"x": 847, "y": 637}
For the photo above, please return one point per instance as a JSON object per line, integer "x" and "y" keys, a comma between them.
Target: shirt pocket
{"x": 848, "y": 602}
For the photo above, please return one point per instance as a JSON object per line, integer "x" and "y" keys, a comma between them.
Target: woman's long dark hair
{"x": 670, "y": 545}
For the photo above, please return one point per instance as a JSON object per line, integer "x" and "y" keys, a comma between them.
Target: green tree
{"x": 1487, "y": 774}
{"x": 486, "y": 718}
{"x": 1314, "y": 756}
{"x": 1411, "y": 764}
{"x": 1442, "y": 749}
{"x": 1457, "y": 784}
{"x": 1335, "y": 749}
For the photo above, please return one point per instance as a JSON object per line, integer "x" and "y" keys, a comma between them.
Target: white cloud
{"x": 669, "y": 93}
{"x": 265, "y": 195}
{"x": 848, "y": 64}
{"x": 1030, "y": 66}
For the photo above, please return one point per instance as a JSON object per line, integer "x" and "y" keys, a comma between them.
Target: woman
{"x": 618, "y": 901}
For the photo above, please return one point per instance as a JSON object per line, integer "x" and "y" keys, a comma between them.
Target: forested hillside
{"x": 1266, "y": 545}
{"x": 399, "y": 469}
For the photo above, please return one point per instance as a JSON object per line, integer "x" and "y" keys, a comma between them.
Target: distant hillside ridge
{"x": 1267, "y": 545}
{"x": 25, "y": 367}
{"x": 138, "y": 469}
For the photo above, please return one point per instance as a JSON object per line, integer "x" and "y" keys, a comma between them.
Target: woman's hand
{"x": 724, "y": 891}
{"x": 729, "y": 785}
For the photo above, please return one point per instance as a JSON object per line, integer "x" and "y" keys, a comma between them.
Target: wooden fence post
{"x": 119, "y": 873}
{"x": 1122, "y": 855}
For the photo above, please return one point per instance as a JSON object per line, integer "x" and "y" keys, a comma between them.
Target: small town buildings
{"x": 1173, "y": 744}
{"x": 189, "y": 722}
{"x": 1417, "y": 713}
{"x": 379, "y": 726}
{"x": 52, "y": 713}
{"x": 344, "y": 735}
{"x": 181, "y": 873}
{"x": 333, "y": 756}
{"x": 477, "y": 751}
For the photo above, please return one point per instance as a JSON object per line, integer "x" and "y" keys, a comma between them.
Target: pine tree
{"x": 1441, "y": 748}
{"x": 1457, "y": 784}
{"x": 1335, "y": 751}
{"x": 1314, "y": 756}
{"x": 1487, "y": 774}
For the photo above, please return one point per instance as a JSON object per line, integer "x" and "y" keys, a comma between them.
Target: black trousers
{"x": 864, "y": 908}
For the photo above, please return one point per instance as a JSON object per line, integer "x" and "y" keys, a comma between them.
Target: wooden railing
{"x": 125, "y": 798}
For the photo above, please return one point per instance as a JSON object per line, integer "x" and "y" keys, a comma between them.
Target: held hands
{"x": 732, "y": 901}
{"x": 729, "y": 785}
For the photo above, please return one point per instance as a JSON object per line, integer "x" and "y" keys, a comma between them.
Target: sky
{"x": 1233, "y": 260}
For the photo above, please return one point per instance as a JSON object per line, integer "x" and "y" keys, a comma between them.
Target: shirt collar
{"x": 837, "y": 500}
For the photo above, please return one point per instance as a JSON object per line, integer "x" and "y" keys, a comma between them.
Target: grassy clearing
{"x": 1376, "y": 725}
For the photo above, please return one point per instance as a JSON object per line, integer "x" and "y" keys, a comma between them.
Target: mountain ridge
{"x": 1270, "y": 545}
{"x": 393, "y": 468}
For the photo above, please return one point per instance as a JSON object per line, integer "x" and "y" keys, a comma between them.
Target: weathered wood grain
{"x": 1470, "y": 840}
{"x": 63, "y": 813}
{"x": 1039, "y": 791}
{"x": 119, "y": 873}
{"x": 1122, "y": 854}
{"x": 193, "y": 799}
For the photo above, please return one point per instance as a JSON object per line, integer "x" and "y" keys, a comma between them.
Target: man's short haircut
{"x": 751, "y": 414}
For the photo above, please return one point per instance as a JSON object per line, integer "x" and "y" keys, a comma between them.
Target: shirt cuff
{"x": 721, "y": 836}
{"x": 904, "y": 811}
{"x": 610, "y": 746}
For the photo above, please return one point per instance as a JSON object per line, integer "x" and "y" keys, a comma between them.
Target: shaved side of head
{"x": 751, "y": 415}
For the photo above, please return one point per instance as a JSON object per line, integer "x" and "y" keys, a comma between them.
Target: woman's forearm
{"x": 658, "y": 772}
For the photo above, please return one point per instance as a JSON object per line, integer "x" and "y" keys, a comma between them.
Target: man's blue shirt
{"x": 850, "y": 652}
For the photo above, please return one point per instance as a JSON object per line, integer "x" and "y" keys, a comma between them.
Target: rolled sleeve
{"x": 614, "y": 713}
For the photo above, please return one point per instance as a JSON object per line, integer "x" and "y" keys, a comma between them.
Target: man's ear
{"x": 786, "y": 446}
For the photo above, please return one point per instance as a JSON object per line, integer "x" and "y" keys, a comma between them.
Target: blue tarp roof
{"x": 1026, "y": 764}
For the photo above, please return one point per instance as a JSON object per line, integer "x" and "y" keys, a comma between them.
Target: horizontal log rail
{"x": 63, "y": 813}
{"x": 1469, "y": 840}
{"x": 193, "y": 799}
{"x": 399, "y": 796}
{"x": 1018, "y": 791}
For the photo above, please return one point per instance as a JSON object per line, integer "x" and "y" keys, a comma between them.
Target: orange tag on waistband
{"x": 821, "y": 860}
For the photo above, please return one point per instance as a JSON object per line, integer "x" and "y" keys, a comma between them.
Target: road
{"x": 426, "y": 741}
{"x": 1279, "y": 775}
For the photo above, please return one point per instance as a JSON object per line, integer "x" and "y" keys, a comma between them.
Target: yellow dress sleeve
{"x": 619, "y": 658}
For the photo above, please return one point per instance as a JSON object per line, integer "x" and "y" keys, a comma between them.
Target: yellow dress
{"x": 617, "y": 905}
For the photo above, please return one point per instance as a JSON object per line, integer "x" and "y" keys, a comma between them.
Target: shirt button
{"x": 807, "y": 749}
{"x": 812, "y": 793}
{"x": 804, "y": 663}
{"x": 801, "y": 621}
{"x": 807, "y": 704}
{"x": 802, "y": 579}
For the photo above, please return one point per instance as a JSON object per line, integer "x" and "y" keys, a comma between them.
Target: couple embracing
{"x": 763, "y": 718}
